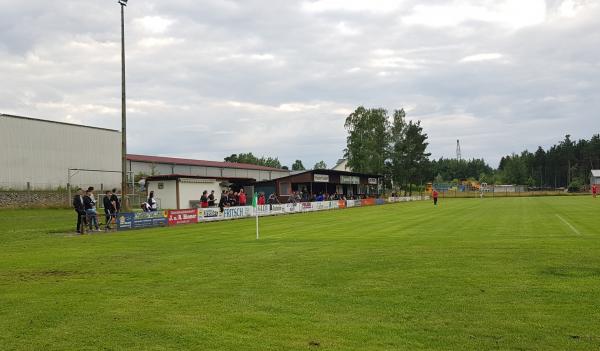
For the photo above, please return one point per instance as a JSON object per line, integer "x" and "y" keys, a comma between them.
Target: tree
{"x": 320, "y": 165}
{"x": 397, "y": 135}
{"x": 413, "y": 152}
{"x": 367, "y": 140}
{"x": 298, "y": 166}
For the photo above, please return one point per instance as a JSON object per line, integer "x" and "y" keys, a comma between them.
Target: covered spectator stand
{"x": 323, "y": 181}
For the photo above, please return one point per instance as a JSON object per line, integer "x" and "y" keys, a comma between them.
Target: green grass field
{"x": 471, "y": 274}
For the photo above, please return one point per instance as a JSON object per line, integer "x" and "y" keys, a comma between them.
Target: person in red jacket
{"x": 204, "y": 199}
{"x": 242, "y": 197}
{"x": 594, "y": 190}
{"x": 435, "y": 197}
{"x": 261, "y": 199}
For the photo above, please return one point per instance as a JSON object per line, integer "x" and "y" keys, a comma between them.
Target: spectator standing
{"x": 89, "y": 204}
{"x": 233, "y": 198}
{"x": 261, "y": 199}
{"x": 115, "y": 201}
{"x": 204, "y": 199}
{"x": 109, "y": 210}
{"x": 80, "y": 209}
{"x": 224, "y": 201}
{"x": 435, "y": 197}
{"x": 273, "y": 199}
{"x": 292, "y": 198}
{"x": 211, "y": 199}
{"x": 152, "y": 204}
{"x": 242, "y": 197}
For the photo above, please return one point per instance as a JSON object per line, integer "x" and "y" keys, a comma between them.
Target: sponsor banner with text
{"x": 209, "y": 214}
{"x": 353, "y": 203}
{"x": 367, "y": 202}
{"x": 137, "y": 220}
{"x": 187, "y": 216}
{"x": 263, "y": 210}
{"x": 237, "y": 212}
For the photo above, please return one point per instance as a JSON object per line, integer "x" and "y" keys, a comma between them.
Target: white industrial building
{"x": 595, "y": 177}
{"x": 37, "y": 154}
{"x": 45, "y": 155}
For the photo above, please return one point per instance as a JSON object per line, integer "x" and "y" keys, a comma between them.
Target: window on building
{"x": 284, "y": 188}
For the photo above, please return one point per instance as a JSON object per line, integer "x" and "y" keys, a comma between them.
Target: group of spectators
{"x": 299, "y": 196}
{"x": 84, "y": 203}
{"x": 229, "y": 198}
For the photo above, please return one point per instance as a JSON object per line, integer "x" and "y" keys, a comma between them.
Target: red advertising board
{"x": 367, "y": 202}
{"x": 183, "y": 216}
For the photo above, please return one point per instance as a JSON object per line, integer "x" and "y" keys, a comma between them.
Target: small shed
{"x": 595, "y": 177}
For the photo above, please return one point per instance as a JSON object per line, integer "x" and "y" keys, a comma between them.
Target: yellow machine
{"x": 429, "y": 187}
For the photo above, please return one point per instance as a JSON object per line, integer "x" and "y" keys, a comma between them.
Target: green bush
{"x": 575, "y": 186}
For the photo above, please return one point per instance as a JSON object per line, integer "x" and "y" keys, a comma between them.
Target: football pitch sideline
{"x": 469, "y": 274}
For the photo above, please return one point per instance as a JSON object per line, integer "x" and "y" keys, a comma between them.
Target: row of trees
{"x": 566, "y": 164}
{"x": 270, "y": 162}
{"x": 397, "y": 149}
{"x": 299, "y": 166}
{"x": 251, "y": 159}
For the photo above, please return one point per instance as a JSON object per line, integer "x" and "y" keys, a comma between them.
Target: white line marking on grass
{"x": 569, "y": 224}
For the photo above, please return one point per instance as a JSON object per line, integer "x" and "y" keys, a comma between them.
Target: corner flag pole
{"x": 254, "y": 204}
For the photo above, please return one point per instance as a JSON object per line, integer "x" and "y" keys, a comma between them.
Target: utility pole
{"x": 124, "y": 199}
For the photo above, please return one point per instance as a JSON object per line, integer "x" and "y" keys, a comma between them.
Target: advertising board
{"x": 237, "y": 212}
{"x": 367, "y": 202}
{"x": 187, "y": 216}
{"x": 321, "y": 178}
{"x": 208, "y": 214}
{"x": 137, "y": 220}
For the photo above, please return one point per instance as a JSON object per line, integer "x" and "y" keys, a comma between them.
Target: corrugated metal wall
{"x": 164, "y": 169}
{"x": 40, "y": 153}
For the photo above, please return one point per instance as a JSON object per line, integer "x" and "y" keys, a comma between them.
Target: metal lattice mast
{"x": 458, "y": 153}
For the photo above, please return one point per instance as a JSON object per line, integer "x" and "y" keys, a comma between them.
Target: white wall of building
{"x": 165, "y": 191}
{"x": 167, "y": 196}
{"x": 191, "y": 190}
{"x": 40, "y": 153}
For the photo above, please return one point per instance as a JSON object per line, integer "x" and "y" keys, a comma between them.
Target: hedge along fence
{"x": 127, "y": 221}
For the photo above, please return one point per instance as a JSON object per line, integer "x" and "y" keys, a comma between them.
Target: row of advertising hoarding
{"x": 138, "y": 220}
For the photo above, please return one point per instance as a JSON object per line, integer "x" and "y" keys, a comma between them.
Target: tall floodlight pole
{"x": 124, "y": 199}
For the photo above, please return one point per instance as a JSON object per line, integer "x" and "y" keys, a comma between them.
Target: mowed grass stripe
{"x": 470, "y": 274}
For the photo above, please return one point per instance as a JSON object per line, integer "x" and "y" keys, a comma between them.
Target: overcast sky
{"x": 207, "y": 78}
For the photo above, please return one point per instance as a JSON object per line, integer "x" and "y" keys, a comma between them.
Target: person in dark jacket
{"x": 115, "y": 201}
{"x": 109, "y": 210}
{"x": 89, "y": 203}
{"x": 80, "y": 209}
{"x": 211, "y": 199}
{"x": 224, "y": 201}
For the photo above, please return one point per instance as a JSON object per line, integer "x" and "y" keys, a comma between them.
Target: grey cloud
{"x": 237, "y": 76}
